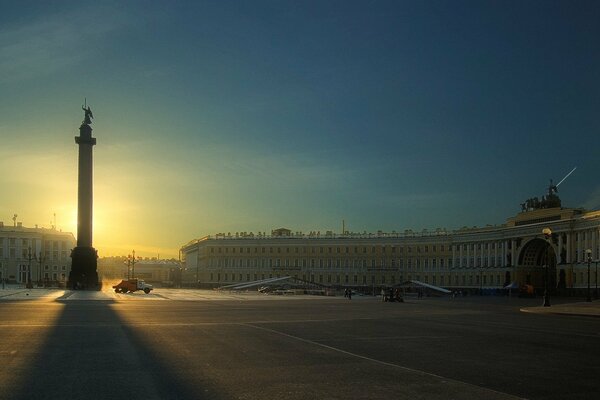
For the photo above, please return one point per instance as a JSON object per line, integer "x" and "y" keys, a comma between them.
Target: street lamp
{"x": 589, "y": 261}
{"x": 39, "y": 258}
{"x": 548, "y": 235}
{"x": 596, "y": 291}
{"x": 29, "y": 285}
{"x": 131, "y": 259}
{"x": 128, "y": 263}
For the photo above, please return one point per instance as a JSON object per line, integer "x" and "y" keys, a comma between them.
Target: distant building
{"x": 468, "y": 259}
{"x": 43, "y": 253}
{"x": 152, "y": 270}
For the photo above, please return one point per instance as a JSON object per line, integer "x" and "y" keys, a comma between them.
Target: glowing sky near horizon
{"x": 225, "y": 116}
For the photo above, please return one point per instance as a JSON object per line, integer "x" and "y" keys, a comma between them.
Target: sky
{"x": 227, "y": 116}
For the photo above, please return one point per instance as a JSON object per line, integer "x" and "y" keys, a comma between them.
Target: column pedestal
{"x": 83, "y": 275}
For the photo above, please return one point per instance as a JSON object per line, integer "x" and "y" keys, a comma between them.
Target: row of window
{"x": 372, "y": 279}
{"x": 25, "y": 243}
{"x": 427, "y": 264}
{"x": 329, "y": 250}
{"x": 24, "y": 267}
{"x": 25, "y": 254}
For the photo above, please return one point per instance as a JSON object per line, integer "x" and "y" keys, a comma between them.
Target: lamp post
{"x": 39, "y": 258}
{"x": 29, "y": 285}
{"x": 588, "y": 252}
{"x": 595, "y": 291}
{"x": 132, "y": 259}
{"x": 548, "y": 235}
{"x": 128, "y": 263}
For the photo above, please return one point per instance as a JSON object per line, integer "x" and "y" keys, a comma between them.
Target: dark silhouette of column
{"x": 84, "y": 273}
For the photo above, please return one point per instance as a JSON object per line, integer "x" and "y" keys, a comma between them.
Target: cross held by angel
{"x": 88, "y": 115}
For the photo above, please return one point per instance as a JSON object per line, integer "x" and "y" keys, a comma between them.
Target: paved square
{"x": 191, "y": 344}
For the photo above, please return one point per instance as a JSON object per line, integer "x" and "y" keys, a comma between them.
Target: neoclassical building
{"x": 468, "y": 258}
{"x": 41, "y": 253}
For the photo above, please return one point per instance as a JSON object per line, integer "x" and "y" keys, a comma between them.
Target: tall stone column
{"x": 84, "y": 273}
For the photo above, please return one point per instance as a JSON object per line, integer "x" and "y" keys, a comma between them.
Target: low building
{"x": 39, "y": 255}
{"x": 470, "y": 259}
{"x": 159, "y": 272}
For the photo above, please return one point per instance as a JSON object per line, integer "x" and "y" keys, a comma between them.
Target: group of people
{"x": 392, "y": 295}
{"x": 348, "y": 293}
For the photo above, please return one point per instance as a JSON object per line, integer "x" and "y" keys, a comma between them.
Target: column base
{"x": 84, "y": 274}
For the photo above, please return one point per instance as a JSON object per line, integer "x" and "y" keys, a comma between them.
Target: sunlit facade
{"x": 469, "y": 258}
{"x": 39, "y": 253}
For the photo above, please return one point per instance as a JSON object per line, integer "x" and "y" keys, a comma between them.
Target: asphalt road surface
{"x": 199, "y": 345}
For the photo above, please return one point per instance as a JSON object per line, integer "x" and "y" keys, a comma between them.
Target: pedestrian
{"x": 382, "y": 294}
{"x": 349, "y": 294}
{"x": 346, "y": 292}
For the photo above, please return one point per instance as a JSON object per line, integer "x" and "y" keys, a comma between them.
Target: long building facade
{"x": 493, "y": 257}
{"x": 38, "y": 255}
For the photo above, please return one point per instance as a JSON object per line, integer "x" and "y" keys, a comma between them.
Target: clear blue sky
{"x": 218, "y": 116}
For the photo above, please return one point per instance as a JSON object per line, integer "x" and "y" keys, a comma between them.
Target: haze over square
{"x": 248, "y": 116}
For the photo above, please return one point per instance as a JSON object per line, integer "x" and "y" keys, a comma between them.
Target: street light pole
{"x": 128, "y": 263}
{"x": 588, "y": 252}
{"x": 29, "y": 285}
{"x": 133, "y": 265}
{"x": 596, "y": 291}
{"x": 39, "y": 258}
{"x": 548, "y": 235}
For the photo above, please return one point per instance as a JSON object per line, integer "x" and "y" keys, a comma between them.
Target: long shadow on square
{"x": 91, "y": 353}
